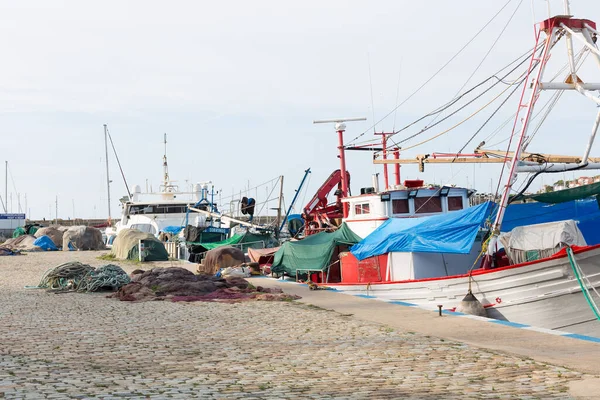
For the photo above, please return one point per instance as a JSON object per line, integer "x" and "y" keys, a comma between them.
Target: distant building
{"x": 10, "y": 222}
{"x": 562, "y": 185}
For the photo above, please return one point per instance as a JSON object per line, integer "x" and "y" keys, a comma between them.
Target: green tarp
{"x": 243, "y": 241}
{"x": 126, "y": 246}
{"x": 312, "y": 253}
{"x": 235, "y": 239}
{"x": 562, "y": 196}
{"x": 18, "y": 232}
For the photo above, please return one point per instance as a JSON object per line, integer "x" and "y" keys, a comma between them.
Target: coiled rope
{"x": 75, "y": 276}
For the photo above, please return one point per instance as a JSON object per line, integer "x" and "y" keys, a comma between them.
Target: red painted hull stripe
{"x": 560, "y": 254}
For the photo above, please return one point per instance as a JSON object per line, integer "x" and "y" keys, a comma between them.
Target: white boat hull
{"x": 544, "y": 293}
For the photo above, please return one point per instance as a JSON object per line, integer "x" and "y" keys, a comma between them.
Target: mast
{"x": 6, "y": 185}
{"x": 107, "y": 176}
{"x": 277, "y": 229}
{"x": 287, "y": 214}
{"x": 165, "y": 166}
{"x": 553, "y": 28}
{"x": 340, "y": 128}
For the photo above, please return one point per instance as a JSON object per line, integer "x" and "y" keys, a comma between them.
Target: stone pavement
{"x": 87, "y": 346}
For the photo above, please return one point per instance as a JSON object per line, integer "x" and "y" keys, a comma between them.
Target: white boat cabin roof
{"x": 407, "y": 202}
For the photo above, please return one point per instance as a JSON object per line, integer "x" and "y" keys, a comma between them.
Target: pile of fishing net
{"x": 179, "y": 284}
{"x": 22, "y": 243}
{"x": 75, "y": 276}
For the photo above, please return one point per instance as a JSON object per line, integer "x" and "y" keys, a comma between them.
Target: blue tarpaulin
{"x": 45, "y": 243}
{"x": 174, "y": 230}
{"x": 585, "y": 212}
{"x": 453, "y": 232}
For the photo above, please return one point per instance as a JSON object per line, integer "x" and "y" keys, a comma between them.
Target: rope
{"x": 458, "y": 124}
{"x": 584, "y": 288}
{"x": 484, "y": 57}
{"x": 436, "y": 73}
{"x": 106, "y": 276}
{"x": 75, "y": 276}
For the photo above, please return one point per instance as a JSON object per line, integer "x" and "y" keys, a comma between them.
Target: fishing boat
{"x": 447, "y": 260}
{"x": 169, "y": 210}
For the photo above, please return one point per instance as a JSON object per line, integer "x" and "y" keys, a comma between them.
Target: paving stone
{"x": 87, "y": 346}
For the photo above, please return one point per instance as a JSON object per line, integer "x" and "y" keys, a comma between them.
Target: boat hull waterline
{"x": 543, "y": 293}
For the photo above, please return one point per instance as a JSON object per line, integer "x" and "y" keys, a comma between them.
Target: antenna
{"x": 340, "y": 127}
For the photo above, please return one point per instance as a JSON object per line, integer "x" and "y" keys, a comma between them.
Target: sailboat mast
{"x": 107, "y": 176}
{"x": 165, "y": 166}
{"x": 6, "y": 185}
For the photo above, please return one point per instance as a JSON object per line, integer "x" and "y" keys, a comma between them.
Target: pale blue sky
{"x": 236, "y": 86}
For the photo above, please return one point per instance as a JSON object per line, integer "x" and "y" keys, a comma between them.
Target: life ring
{"x": 498, "y": 300}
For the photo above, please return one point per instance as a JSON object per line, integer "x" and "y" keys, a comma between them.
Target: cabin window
{"x": 158, "y": 209}
{"x": 425, "y": 205}
{"x": 455, "y": 203}
{"x": 144, "y": 228}
{"x": 362, "y": 208}
{"x": 399, "y": 206}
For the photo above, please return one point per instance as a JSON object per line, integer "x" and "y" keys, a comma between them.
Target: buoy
{"x": 470, "y": 305}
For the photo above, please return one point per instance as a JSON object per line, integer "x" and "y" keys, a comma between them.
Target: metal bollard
{"x": 440, "y": 309}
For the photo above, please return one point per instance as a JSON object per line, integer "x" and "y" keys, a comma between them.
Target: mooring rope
{"x": 584, "y": 288}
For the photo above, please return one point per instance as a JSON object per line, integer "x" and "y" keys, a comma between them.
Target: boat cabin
{"x": 370, "y": 209}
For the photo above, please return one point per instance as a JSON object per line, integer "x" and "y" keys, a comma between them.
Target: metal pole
{"x": 279, "y": 206}
{"x": 385, "y": 169}
{"x": 6, "y": 185}
{"x": 512, "y": 174}
{"x": 287, "y": 214}
{"x": 107, "y": 177}
{"x": 397, "y": 167}
{"x": 340, "y": 128}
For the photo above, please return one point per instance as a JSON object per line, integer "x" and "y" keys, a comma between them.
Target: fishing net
{"x": 54, "y": 233}
{"x": 105, "y": 277}
{"x": 65, "y": 276}
{"x": 22, "y": 243}
{"x": 179, "y": 284}
{"x": 84, "y": 278}
{"x": 82, "y": 238}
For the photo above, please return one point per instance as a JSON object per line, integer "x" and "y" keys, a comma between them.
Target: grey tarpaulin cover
{"x": 531, "y": 242}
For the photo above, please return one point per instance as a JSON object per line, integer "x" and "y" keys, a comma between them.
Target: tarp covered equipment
{"x": 453, "y": 232}
{"x": 126, "y": 246}
{"x": 312, "y": 253}
{"x": 45, "y": 243}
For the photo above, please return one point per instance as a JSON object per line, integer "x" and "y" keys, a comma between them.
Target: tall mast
{"x": 165, "y": 166}
{"x": 340, "y": 128}
{"x": 107, "y": 176}
{"x": 6, "y": 185}
{"x": 554, "y": 28}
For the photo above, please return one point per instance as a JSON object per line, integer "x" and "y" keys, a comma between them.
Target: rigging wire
{"x": 14, "y": 188}
{"x": 371, "y": 86}
{"x": 439, "y": 70}
{"x": 246, "y": 191}
{"x": 488, "y": 120}
{"x": 485, "y": 56}
{"x": 459, "y": 123}
{"x": 527, "y": 56}
{"x": 515, "y": 123}
{"x": 118, "y": 162}
{"x": 544, "y": 107}
{"x": 266, "y": 201}
{"x": 397, "y": 95}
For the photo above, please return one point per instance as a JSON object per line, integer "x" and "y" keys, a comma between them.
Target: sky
{"x": 236, "y": 86}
